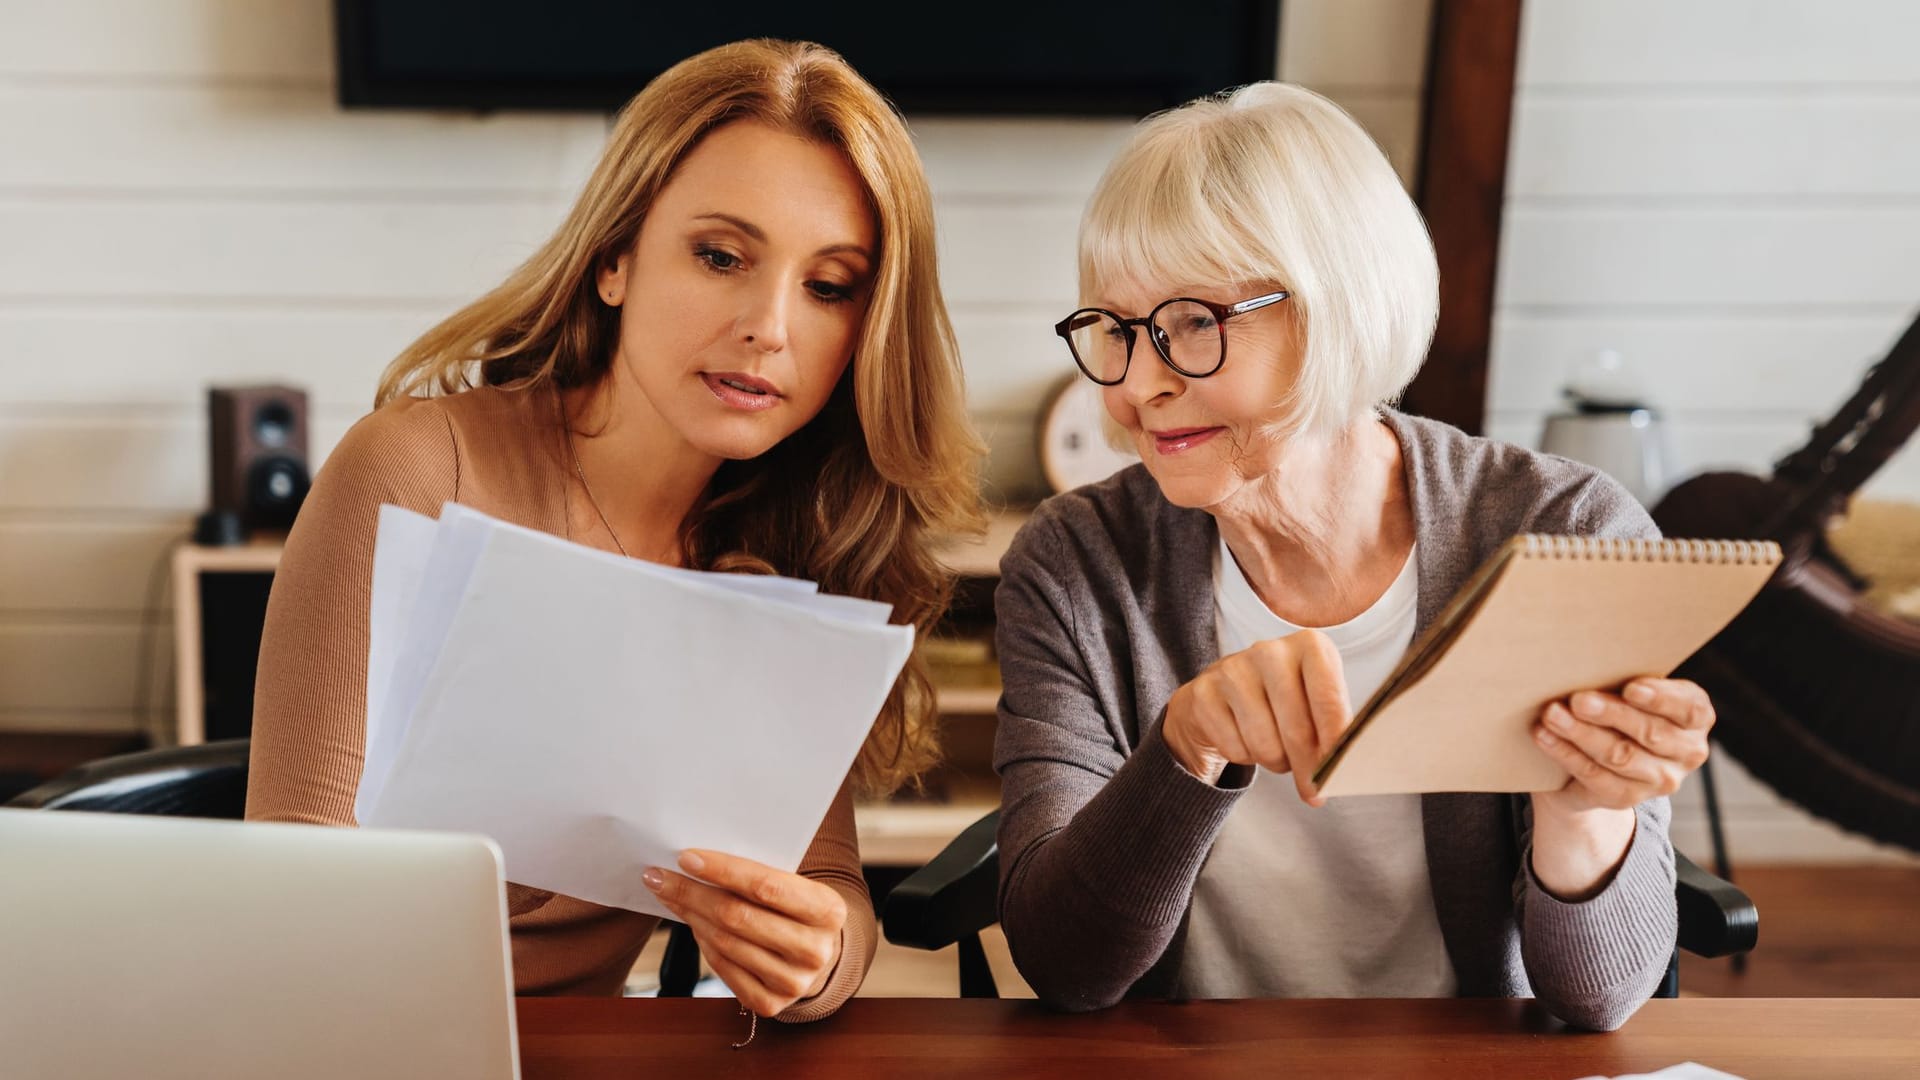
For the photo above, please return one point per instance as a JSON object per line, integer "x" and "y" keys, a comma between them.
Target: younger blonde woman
{"x": 732, "y": 355}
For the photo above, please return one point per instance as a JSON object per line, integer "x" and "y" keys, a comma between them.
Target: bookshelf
{"x": 193, "y": 564}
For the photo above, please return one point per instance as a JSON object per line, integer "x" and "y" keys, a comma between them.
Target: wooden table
{"x": 924, "y": 1038}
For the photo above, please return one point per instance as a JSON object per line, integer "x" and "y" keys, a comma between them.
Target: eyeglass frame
{"x": 1221, "y": 313}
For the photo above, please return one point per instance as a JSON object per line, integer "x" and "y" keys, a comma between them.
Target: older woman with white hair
{"x": 1258, "y": 290}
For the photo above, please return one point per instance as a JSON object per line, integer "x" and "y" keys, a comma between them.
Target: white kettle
{"x": 1610, "y": 426}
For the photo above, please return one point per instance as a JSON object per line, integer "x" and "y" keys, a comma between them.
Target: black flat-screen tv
{"x": 1123, "y": 57}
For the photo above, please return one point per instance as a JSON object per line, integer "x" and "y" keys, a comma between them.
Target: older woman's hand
{"x": 1619, "y": 751}
{"x": 1278, "y": 703}
{"x": 1623, "y": 749}
{"x": 772, "y": 937}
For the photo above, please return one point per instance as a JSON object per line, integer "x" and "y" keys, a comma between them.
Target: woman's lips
{"x": 1180, "y": 440}
{"x": 737, "y": 390}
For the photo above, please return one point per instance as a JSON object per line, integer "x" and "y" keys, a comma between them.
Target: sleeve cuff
{"x": 1142, "y": 840}
{"x": 857, "y": 943}
{"x": 1606, "y": 944}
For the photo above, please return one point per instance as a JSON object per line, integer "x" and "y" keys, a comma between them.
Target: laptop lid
{"x": 175, "y": 947}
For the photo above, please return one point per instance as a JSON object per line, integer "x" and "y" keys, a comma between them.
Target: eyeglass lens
{"x": 1185, "y": 333}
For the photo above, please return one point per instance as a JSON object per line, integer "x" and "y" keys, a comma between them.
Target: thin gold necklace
{"x": 573, "y": 448}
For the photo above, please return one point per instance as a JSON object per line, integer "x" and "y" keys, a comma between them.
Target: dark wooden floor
{"x": 1842, "y": 931}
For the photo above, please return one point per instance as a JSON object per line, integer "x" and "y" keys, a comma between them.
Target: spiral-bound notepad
{"x": 1546, "y": 616}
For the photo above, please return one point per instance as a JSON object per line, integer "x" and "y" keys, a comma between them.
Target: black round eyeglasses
{"x": 1189, "y": 334}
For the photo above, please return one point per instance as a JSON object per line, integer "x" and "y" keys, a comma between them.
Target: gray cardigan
{"x": 1105, "y": 607}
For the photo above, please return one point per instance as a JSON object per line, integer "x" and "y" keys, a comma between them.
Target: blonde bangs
{"x": 1159, "y": 216}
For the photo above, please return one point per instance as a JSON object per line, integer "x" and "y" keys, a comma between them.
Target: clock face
{"x": 1073, "y": 439}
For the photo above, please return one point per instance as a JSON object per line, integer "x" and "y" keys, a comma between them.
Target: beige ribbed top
{"x": 501, "y": 453}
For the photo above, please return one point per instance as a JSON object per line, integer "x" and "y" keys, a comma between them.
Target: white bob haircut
{"x": 1274, "y": 184}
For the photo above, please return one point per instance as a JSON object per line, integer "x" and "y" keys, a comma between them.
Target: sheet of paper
{"x": 439, "y": 578}
{"x": 409, "y": 544}
{"x": 1686, "y": 1070}
{"x": 402, "y": 549}
{"x": 598, "y": 715}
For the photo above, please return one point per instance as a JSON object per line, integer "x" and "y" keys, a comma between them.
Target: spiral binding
{"x": 1639, "y": 550}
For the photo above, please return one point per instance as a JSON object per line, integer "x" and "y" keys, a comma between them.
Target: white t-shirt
{"x": 1331, "y": 902}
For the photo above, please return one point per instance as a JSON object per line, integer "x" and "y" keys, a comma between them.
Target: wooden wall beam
{"x": 1468, "y": 112}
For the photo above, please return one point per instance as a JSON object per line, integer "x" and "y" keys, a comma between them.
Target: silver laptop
{"x": 169, "y": 947}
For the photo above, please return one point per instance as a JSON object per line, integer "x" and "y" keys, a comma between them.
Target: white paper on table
{"x": 1686, "y": 1070}
{"x": 596, "y": 715}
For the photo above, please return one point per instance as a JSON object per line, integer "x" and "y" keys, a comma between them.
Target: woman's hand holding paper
{"x": 773, "y": 937}
{"x": 1620, "y": 750}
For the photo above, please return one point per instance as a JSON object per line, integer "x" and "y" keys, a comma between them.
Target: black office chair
{"x": 210, "y": 781}
{"x": 954, "y": 897}
{"x": 206, "y": 781}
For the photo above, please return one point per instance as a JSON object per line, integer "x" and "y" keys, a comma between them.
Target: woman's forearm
{"x": 1577, "y": 852}
{"x": 1593, "y": 956}
{"x": 1090, "y": 907}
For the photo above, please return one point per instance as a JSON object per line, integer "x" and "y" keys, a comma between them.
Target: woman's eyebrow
{"x": 840, "y": 249}
{"x": 753, "y": 231}
{"x": 759, "y": 235}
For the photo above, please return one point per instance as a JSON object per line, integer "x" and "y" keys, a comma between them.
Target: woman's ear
{"x": 612, "y": 279}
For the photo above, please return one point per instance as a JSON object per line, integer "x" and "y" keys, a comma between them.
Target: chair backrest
{"x": 1814, "y": 685}
{"x": 208, "y": 781}
{"x": 1852, "y": 445}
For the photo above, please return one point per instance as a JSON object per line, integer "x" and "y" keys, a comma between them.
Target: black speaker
{"x": 257, "y": 443}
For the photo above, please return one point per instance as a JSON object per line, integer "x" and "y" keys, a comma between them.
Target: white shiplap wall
{"x": 182, "y": 203}
{"x": 1727, "y": 192}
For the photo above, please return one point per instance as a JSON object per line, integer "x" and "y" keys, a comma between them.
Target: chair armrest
{"x": 1716, "y": 918}
{"x": 953, "y": 896}
{"x": 208, "y": 780}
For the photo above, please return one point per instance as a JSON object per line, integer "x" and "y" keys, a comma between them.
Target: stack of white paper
{"x": 596, "y": 715}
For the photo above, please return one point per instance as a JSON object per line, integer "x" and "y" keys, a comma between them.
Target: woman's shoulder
{"x": 1507, "y": 489}
{"x": 1109, "y": 526}
{"x": 422, "y": 451}
{"x": 495, "y": 409}
{"x": 404, "y": 444}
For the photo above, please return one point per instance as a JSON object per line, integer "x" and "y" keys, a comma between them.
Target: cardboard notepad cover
{"x": 1545, "y": 617}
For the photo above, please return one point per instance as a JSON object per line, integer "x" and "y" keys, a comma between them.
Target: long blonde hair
{"x": 855, "y": 498}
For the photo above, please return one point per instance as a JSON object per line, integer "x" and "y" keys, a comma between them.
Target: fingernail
{"x": 1546, "y": 737}
{"x": 653, "y": 878}
{"x": 1639, "y": 694}
{"x": 691, "y": 862}
{"x": 1558, "y": 717}
{"x": 1587, "y": 704}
